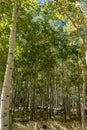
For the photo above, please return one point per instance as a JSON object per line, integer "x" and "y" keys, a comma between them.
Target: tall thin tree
{"x": 83, "y": 63}
{"x": 5, "y": 96}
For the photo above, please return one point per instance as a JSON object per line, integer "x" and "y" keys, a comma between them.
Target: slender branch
{"x": 73, "y": 23}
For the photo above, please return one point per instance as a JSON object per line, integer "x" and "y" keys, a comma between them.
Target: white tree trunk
{"x": 83, "y": 103}
{"x": 4, "y": 102}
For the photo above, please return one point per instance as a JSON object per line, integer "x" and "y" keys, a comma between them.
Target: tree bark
{"x": 83, "y": 103}
{"x": 5, "y": 96}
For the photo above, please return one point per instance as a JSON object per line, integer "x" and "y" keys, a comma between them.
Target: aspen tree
{"x": 83, "y": 63}
{"x": 5, "y": 96}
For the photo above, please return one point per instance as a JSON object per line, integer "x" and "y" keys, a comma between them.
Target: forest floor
{"x": 50, "y": 124}
{"x": 56, "y": 123}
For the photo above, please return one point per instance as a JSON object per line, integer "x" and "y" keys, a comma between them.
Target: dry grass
{"x": 21, "y": 126}
{"x": 51, "y": 124}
